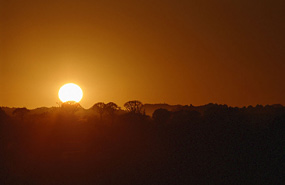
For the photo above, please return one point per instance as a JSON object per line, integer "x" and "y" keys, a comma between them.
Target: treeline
{"x": 106, "y": 144}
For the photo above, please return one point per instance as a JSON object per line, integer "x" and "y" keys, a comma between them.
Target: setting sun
{"x": 70, "y": 92}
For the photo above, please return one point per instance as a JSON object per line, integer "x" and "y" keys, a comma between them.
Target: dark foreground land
{"x": 219, "y": 145}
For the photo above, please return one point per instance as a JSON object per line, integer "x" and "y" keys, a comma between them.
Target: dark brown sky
{"x": 178, "y": 52}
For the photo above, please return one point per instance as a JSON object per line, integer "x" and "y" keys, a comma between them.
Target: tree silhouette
{"x": 161, "y": 115}
{"x": 207, "y": 134}
{"x": 134, "y": 106}
{"x": 20, "y": 112}
{"x": 70, "y": 106}
{"x": 100, "y": 107}
{"x": 3, "y": 115}
{"x": 111, "y": 109}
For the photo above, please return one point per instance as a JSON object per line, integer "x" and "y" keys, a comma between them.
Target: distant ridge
{"x": 149, "y": 108}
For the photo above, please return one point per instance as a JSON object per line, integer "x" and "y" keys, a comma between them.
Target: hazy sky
{"x": 178, "y": 52}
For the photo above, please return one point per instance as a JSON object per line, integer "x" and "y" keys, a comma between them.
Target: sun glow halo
{"x": 70, "y": 92}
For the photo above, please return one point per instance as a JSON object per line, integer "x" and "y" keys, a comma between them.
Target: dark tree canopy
{"x": 161, "y": 115}
{"x": 189, "y": 142}
{"x": 3, "y": 115}
{"x": 100, "y": 107}
{"x": 21, "y": 112}
{"x": 70, "y": 106}
{"x": 134, "y": 106}
{"x": 111, "y": 108}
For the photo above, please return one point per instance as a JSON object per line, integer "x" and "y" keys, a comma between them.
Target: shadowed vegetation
{"x": 210, "y": 144}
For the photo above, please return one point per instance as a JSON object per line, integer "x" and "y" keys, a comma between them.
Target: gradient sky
{"x": 177, "y": 52}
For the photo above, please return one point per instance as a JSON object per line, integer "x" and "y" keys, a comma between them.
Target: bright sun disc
{"x": 70, "y": 92}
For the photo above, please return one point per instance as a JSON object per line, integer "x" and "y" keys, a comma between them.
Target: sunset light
{"x": 70, "y": 92}
{"x": 175, "y": 92}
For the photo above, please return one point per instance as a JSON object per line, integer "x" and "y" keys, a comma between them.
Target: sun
{"x": 70, "y": 93}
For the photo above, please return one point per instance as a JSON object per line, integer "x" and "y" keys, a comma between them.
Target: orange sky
{"x": 177, "y": 52}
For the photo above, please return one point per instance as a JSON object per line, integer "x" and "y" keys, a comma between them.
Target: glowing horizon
{"x": 186, "y": 52}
